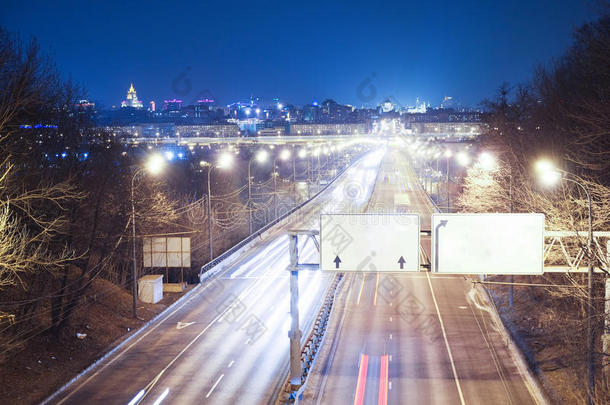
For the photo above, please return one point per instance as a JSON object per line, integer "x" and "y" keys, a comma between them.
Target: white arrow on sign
{"x": 182, "y": 325}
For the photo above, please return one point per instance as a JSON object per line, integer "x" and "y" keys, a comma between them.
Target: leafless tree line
{"x": 563, "y": 114}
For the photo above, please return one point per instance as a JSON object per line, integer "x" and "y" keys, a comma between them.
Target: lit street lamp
{"x": 154, "y": 166}
{"x": 462, "y": 158}
{"x": 487, "y": 161}
{"x": 549, "y": 176}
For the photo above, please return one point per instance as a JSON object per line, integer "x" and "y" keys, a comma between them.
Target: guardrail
{"x": 312, "y": 345}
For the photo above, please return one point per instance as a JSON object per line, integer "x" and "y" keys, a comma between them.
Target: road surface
{"x": 412, "y": 338}
{"x": 228, "y": 344}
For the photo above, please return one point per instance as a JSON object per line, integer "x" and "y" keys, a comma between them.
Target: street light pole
{"x": 274, "y": 173}
{"x": 448, "y": 155}
{"x": 134, "y": 272}
{"x": 249, "y": 197}
{"x": 210, "y": 213}
{"x": 224, "y": 162}
{"x": 294, "y": 164}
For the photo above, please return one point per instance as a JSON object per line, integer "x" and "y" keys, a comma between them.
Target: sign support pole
{"x": 296, "y": 370}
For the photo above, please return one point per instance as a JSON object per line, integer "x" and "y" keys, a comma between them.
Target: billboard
{"x": 167, "y": 252}
{"x": 487, "y": 243}
{"x": 369, "y": 242}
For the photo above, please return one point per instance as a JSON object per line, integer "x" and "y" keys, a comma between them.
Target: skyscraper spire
{"x": 132, "y": 99}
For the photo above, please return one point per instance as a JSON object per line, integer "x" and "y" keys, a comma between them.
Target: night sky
{"x": 298, "y": 51}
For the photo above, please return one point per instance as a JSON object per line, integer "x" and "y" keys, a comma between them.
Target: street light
{"x": 154, "y": 166}
{"x": 487, "y": 161}
{"x": 285, "y": 154}
{"x": 225, "y": 161}
{"x": 462, "y": 158}
{"x": 549, "y": 176}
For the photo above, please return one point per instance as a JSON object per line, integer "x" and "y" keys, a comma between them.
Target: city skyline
{"x": 136, "y": 102}
{"x": 267, "y": 50}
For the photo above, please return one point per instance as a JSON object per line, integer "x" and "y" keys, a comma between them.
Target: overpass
{"x": 298, "y": 139}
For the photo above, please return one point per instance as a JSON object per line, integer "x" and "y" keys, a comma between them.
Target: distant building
{"x": 203, "y": 107}
{"x": 275, "y": 131}
{"x": 172, "y": 107}
{"x": 332, "y": 111}
{"x": 207, "y": 131}
{"x": 418, "y": 108}
{"x": 311, "y": 112}
{"x": 445, "y": 129}
{"x": 443, "y": 115}
{"x": 328, "y": 129}
{"x": 169, "y": 130}
{"x": 132, "y": 99}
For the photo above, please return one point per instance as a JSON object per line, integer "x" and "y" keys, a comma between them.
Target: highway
{"x": 412, "y": 338}
{"x": 228, "y": 343}
{"x": 393, "y": 339}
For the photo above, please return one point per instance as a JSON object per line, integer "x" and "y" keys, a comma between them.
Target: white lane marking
{"x": 361, "y": 288}
{"x": 390, "y": 385}
{"x": 390, "y": 357}
{"x": 246, "y": 292}
{"x": 463, "y": 307}
{"x": 214, "y": 386}
{"x": 182, "y": 325}
{"x": 161, "y": 397}
{"x": 390, "y": 319}
{"x": 136, "y": 398}
{"x": 390, "y": 336}
{"x": 231, "y": 363}
{"x": 438, "y": 312}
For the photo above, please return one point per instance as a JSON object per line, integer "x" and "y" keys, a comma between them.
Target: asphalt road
{"x": 395, "y": 339}
{"x": 228, "y": 344}
{"x": 412, "y": 338}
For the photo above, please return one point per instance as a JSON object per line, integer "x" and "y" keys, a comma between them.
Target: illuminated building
{"x": 172, "y": 107}
{"x": 132, "y": 99}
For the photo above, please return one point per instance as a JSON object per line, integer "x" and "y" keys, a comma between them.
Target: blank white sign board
{"x": 369, "y": 242}
{"x": 488, "y": 243}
